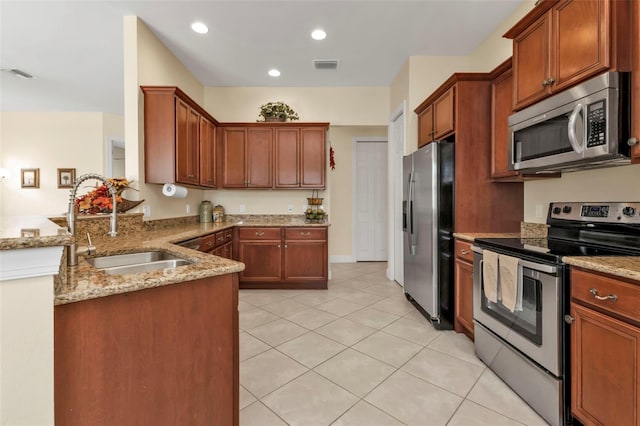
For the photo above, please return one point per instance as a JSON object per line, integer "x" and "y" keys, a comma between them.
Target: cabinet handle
{"x": 220, "y": 238}
{"x": 463, "y": 251}
{"x": 569, "y": 319}
{"x": 190, "y": 176}
{"x": 209, "y": 243}
{"x": 305, "y": 233}
{"x": 259, "y": 234}
{"x": 551, "y": 81}
{"x": 611, "y": 297}
{"x": 632, "y": 141}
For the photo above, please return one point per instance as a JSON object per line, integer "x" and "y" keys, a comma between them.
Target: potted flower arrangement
{"x": 277, "y": 111}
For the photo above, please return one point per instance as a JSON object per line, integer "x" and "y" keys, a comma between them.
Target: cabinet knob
{"x": 632, "y": 141}
{"x": 569, "y": 319}
{"x": 285, "y": 246}
{"x": 278, "y": 245}
{"x": 611, "y": 297}
{"x": 551, "y": 81}
{"x": 209, "y": 243}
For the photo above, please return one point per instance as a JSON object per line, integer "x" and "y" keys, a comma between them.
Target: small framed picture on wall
{"x": 66, "y": 177}
{"x": 30, "y": 178}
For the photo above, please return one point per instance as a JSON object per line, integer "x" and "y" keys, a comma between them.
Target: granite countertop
{"x": 22, "y": 232}
{"x": 471, "y": 236}
{"x": 621, "y": 266}
{"x": 84, "y": 282}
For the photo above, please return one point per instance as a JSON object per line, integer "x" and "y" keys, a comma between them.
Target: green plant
{"x": 279, "y": 110}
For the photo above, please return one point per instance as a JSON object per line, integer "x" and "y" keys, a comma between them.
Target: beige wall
{"x": 340, "y": 185}
{"x": 148, "y": 62}
{"x": 341, "y": 106}
{"x": 49, "y": 141}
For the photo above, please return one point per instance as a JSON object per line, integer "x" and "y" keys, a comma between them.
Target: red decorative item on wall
{"x": 332, "y": 160}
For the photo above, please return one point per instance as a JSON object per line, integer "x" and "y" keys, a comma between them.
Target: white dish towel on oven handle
{"x": 490, "y": 276}
{"x": 510, "y": 279}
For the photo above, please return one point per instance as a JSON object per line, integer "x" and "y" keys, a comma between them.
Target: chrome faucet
{"x": 72, "y": 250}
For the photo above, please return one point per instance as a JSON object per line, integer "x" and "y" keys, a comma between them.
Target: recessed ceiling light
{"x": 199, "y": 27}
{"x": 274, "y": 73}
{"x": 318, "y": 34}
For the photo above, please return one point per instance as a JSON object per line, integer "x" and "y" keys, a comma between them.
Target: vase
{"x": 275, "y": 119}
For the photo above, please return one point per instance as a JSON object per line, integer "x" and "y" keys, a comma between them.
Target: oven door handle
{"x": 540, "y": 267}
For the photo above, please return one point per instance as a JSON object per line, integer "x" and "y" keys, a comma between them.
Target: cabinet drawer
{"x": 219, "y": 238}
{"x": 627, "y": 303}
{"x": 259, "y": 233}
{"x": 305, "y": 234}
{"x": 228, "y": 235}
{"x": 463, "y": 251}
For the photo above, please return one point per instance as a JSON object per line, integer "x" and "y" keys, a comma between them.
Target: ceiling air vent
{"x": 321, "y": 64}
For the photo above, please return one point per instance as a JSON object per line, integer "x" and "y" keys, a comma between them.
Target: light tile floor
{"x": 359, "y": 354}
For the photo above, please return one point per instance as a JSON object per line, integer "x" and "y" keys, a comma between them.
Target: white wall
{"x": 48, "y": 141}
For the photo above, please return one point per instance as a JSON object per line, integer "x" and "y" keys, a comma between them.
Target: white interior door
{"x": 371, "y": 200}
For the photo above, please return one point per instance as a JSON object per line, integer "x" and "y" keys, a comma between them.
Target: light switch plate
{"x": 242, "y": 208}
{"x": 146, "y": 211}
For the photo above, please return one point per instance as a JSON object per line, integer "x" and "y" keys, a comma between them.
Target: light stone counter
{"x": 84, "y": 282}
{"x": 471, "y": 236}
{"x": 31, "y": 232}
{"x": 621, "y": 266}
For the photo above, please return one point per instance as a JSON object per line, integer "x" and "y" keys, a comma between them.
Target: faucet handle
{"x": 91, "y": 249}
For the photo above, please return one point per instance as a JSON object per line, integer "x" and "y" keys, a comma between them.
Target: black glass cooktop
{"x": 552, "y": 250}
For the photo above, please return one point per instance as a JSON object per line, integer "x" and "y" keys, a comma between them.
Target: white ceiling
{"x": 75, "y": 48}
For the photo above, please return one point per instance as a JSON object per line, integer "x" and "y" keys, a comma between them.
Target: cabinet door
{"x": 425, "y": 126}
{"x": 444, "y": 114}
{"x": 580, "y": 41}
{"x": 305, "y": 261}
{"x": 233, "y": 157}
{"x": 262, "y": 259}
{"x": 531, "y": 63}
{"x": 464, "y": 298}
{"x": 312, "y": 158}
{"x": 605, "y": 369}
{"x": 259, "y": 158}
{"x": 635, "y": 85}
{"x": 187, "y": 144}
{"x": 207, "y": 153}
{"x": 501, "y": 108}
{"x": 287, "y": 158}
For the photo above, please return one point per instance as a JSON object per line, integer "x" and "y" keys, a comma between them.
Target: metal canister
{"x": 218, "y": 213}
{"x": 206, "y": 212}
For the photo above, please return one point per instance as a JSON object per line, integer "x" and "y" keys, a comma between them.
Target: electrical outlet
{"x": 146, "y": 211}
{"x": 290, "y": 208}
{"x": 188, "y": 209}
{"x": 242, "y": 208}
{"x": 304, "y": 208}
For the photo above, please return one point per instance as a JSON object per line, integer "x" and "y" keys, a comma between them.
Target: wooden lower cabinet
{"x": 283, "y": 257}
{"x": 605, "y": 351}
{"x": 164, "y": 355}
{"x": 463, "y": 319}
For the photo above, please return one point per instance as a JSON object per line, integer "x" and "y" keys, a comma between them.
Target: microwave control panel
{"x": 596, "y": 124}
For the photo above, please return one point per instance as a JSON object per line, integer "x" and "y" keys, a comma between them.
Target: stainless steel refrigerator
{"x": 428, "y": 231}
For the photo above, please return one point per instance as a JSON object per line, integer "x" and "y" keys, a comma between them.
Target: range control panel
{"x": 604, "y": 212}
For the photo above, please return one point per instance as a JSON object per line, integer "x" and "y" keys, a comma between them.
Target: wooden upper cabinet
{"x": 287, "y": 158}
{"x": 635, "y": 83}
{"x": 563, "y": 42}
{"x": 436, "y": 119}
{"x": 175, "y": 138}
{"x": 259, "y": 153}
{"x": 233, "y": 167}
{"x": 312, "y": 157}
{"x": 444, "y": 115}
{"x": 425, "y": 126}
{"x": 501, "y": 108}
{"x": 208, "y": 153}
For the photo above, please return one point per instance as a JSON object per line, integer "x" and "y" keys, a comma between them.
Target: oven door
{"x": 534, "y": 331}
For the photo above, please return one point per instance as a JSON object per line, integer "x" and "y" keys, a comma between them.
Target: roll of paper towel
{"x": 175, "y": 191}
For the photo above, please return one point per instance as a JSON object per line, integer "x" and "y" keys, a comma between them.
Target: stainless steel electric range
{"x": 529, "y": 347}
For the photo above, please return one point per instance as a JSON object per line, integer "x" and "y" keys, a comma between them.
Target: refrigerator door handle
{"x": 412, "y": 235}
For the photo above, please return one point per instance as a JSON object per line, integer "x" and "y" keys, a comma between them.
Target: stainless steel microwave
{"x": 586, "y": 126}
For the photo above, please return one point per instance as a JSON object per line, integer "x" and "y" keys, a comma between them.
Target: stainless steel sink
{"x": 133, "y": 263}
